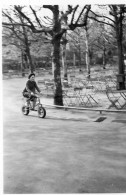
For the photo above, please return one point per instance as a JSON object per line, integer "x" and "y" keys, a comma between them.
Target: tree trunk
{"x": 52, "y": 63}
{"x": 119, "y": 34}
{"x": 58, "y": 100}
{"x": 27, "y": 49}
{"x": 74, "y": 63}
{"x": 87, "y": 56}
{"x": 121, "y": 85}
{"x": 120, "y": 57}
{"x": 22, "y": 65}
{"x": 80, "y": 58}
{"x": 104, "y": 58}
{"x": 25, "y": 60}
{"x": 64, "y": 65}
{"x": 32, "y": 68}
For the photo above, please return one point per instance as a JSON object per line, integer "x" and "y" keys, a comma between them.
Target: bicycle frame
{"x": 37, "y": 102}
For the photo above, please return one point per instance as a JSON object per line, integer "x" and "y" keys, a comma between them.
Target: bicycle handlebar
{"x": 37, "y": 95}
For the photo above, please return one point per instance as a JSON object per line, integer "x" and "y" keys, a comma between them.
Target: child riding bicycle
{"x": 29, "y": 91}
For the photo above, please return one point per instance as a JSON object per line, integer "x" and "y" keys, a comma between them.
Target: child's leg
{"x": 34, "y": 102}
{"x": 27, "y": 102}
{"x": 26, "y": 95}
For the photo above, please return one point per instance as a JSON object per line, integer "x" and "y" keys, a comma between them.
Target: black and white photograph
{"x": 63, "y": 75}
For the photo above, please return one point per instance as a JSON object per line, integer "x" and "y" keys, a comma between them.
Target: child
{"x": 29, "y": 91}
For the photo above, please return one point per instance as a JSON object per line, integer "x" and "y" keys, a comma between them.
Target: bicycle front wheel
{"x": 41, "y": 112}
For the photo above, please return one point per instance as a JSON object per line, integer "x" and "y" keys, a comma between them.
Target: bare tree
{"x": 56, "y": 32}
{"x": 20, "y": 38}
{"x": 116, "y": 21}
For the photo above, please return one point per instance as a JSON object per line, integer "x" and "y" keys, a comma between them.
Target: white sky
{"x": 61, "y": 2}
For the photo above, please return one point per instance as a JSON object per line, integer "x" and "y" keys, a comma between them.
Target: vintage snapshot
{"x": 64, "y": 98}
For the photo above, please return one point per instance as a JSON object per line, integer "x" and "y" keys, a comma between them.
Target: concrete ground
{"x": 67, "y": 152}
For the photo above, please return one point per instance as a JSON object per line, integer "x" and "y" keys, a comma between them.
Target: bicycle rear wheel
{"x": 25, "y": 110}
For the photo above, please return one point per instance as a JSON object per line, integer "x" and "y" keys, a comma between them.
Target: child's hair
{"x": 32, "y": 74}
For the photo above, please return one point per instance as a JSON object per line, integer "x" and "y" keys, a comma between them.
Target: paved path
{"x": 67, "y": 152}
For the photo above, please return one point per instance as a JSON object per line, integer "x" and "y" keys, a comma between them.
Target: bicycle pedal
{"x": 33, "y": 109}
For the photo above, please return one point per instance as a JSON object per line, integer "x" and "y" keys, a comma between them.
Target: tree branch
{"x": 74, "y": 13}
{"x": 6, "y": 15}
{"x": 51, "y": 7}
{"x": 101, "y": 21}
{"x": 49, "y": 20}
{"x": 31, "y": 26}
{"x": 46, "y": 29}
{"x": 24, "y": 16}
{"x": 16, "y": 24}
{"x": 80, "y": 14}
{"x": 64, "y": 16}
{"x": 102, "y": 16}
{"x": 36, "y": 16}
{"x": 73, "y": 26}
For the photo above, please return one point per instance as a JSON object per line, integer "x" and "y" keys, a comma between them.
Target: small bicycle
{"x": 38, "y": 107}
